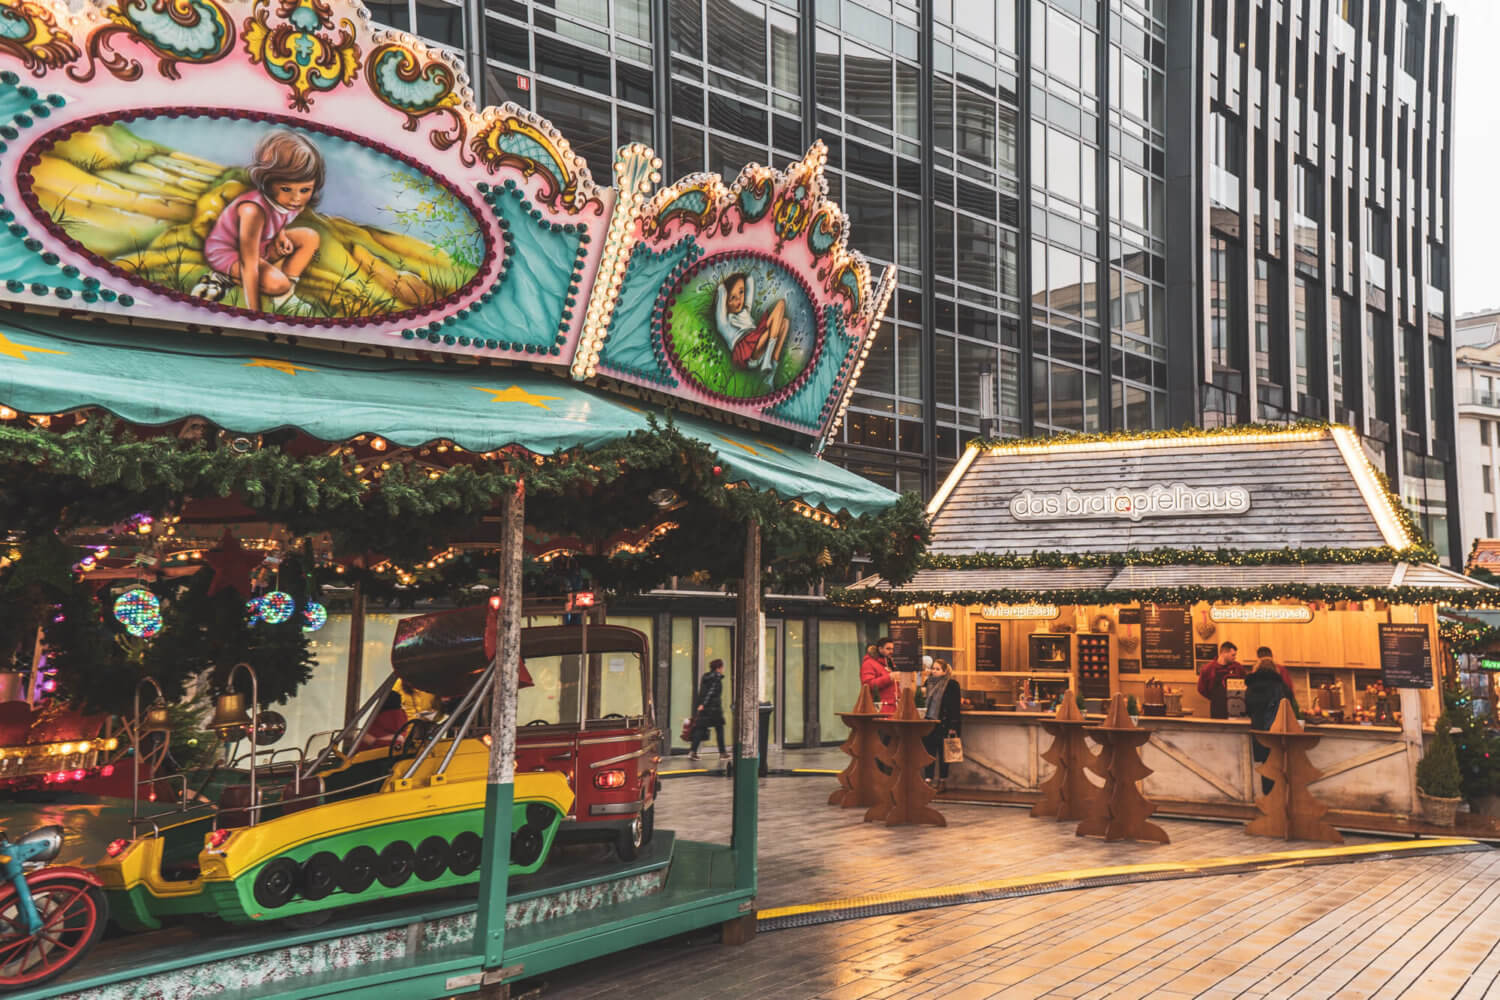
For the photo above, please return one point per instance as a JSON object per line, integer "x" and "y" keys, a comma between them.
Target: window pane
{"x": 1062, "y": 47}
{"x": 1062, "y": 166}
{"x": 441, "y": 22}
{"x": 737, "y": 37}
{"x": 976, "y": 127}
{"x": 786, "y": 68}
{"x": 867, "y": 85}
{"x": 871, "y": 219}
{"x": 584, "y": 120}
{"x": 977, "y": 252}
{"x": 685, "y": 26}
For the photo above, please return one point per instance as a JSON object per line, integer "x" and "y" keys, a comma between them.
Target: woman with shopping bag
{"x": 943, "y": 741}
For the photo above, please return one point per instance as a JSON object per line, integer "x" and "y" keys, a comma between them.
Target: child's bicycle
{"x": 50, "y": 916}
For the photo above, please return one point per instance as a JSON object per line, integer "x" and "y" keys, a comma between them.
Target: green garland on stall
{"x": 876, "y": 600}
{"x": 1055, "y": 559}
{"x": 1467, "y": 637}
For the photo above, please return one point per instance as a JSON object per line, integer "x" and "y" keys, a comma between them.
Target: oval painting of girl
{"x": 741, "y": 326}
{"x": 260, "y": 217}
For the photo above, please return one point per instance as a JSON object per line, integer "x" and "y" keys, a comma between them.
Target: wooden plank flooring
{"x": 1416, "y": 927}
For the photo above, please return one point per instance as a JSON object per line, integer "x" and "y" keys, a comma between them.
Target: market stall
{"x": 253, "y": 360}
{"x": 1105, "y": 565}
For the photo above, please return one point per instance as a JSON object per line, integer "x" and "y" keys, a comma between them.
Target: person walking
{"x": 944, "y": 700}
{"x": 710, "y": 710}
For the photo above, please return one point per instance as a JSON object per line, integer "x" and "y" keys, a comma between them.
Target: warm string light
{"x": 637, "y": 171}
{"x": 1056, "y": 559}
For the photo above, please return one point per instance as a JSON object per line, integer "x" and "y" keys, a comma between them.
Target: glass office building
{"x": 1308, "y": 275}
{"x": 1014, "y": 158}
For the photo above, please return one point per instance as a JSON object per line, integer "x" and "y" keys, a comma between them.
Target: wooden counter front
{"x": 1197, "y": 761}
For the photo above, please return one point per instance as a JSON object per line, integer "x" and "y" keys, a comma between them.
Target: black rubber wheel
{"x": 539, "y": 816}
{"x": 630, "y": 838}
{"x": 432, "y": 858}
{"x": 463, "y": 856}
{"x": 648, "y": 824}
{"x": 320, "y": 875}
{"x": 396, "y": 863}
{"x": 357, "y": 871}
{"x": 276, "y": 883}
{"x": 525, "y": 846}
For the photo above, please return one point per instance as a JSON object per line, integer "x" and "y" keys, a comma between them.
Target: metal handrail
{"x": 135, "y": 743}
{"x": 343, "y": 734}
{"x": 466, "y": 728}
{"x": 254, "y": 718}
{"x": 447, "y": 724}
{"x": 256, "y": 807}
{"x": 271, "y": 765}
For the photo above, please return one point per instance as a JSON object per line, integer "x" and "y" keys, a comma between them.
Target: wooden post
{"x": 489, "y": 932}
{"x": 747, "y": 714}
{"x": 354, "y": 676}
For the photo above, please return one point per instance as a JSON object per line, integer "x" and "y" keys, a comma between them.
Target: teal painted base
{"x": 543, "y": 908}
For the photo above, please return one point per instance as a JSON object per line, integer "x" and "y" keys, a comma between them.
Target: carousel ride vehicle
{"x": 374, "y": 816}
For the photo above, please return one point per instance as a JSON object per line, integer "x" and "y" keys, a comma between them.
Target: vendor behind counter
{"x": 1217, "y": 677}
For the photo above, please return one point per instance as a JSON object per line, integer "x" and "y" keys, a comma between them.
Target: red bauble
{"x": 232, "y": 566}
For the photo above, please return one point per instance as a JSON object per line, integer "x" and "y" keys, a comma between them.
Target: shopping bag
{"x": 688, "y": 726}
{"x": 953, "y": 750}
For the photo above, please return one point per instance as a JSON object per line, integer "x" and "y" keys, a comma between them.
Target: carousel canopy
{"x": 149, "y": 377}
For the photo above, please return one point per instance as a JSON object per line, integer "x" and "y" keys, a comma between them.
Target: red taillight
{"x": 116, "y": 848}
{"x": 78, "y": 774}
{"x": 217, "y": 838}
{"x": 613, "y": 778}
{"x": 106, "y": 770}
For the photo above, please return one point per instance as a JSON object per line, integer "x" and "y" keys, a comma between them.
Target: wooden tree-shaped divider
{"x": 1069, "y": 792}
{"x": 906, "y": 794}
{"x": 861, "y": 784}
{"x": 1120, "y": 811}
{"x": 1290, "y": 810}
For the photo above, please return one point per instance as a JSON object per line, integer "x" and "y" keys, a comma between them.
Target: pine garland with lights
{"x": 1467, "y": 637}
{"x": 1055, "y": 559}
{"x": 876, "y": 600}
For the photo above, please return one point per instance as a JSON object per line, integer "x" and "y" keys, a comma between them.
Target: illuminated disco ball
{"x": 253, "y": 610}
{"x": 314, "y": 616}
{"x": 276, "y": 607}
{"x": 139, "y": 611}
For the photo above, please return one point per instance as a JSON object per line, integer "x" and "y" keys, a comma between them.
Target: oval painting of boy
{"x": 254, "y": 216}
{"x": 741, "y": 326}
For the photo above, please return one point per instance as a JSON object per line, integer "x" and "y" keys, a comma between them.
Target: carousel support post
{"x": 747, "y": 725}
{"x": 489, "y": 933}
{"x": 354, "y": 676}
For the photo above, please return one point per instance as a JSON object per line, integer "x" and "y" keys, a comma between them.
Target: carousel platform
{"x": 587, "y": 904}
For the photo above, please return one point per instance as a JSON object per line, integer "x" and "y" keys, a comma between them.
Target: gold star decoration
{"x": 11, "y": 349}
{"x": 515, "y": 394}
{"x": 285, "y": 367}
{"x": 737, "y": 444}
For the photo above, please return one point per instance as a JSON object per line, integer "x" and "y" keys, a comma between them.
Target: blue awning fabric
{"x": 152, "y": 377}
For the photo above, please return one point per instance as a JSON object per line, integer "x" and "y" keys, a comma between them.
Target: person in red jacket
{"x": 1213, "y": 677}
{"x": 875, "y": 674}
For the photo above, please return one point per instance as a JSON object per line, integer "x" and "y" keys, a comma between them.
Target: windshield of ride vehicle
{"x": 614, "y": 689}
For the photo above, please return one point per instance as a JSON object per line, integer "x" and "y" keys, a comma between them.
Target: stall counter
{"x": 1198, "y": 765}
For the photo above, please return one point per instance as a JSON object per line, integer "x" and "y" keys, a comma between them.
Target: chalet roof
{"x": 1301, "y": 489}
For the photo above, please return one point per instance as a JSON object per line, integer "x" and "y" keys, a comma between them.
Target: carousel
{"x": 264, "y": 368}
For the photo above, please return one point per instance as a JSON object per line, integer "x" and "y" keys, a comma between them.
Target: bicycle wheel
{"x": 73, "y": 917}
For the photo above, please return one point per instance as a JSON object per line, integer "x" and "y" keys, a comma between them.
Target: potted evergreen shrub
{"x": 1438, "y": 781}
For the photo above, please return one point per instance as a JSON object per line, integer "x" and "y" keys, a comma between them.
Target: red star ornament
{"x": 232, "y": 566}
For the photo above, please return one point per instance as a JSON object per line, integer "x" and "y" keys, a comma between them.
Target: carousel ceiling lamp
{"x": 276, "y": 607}
{"x": 314, "y": 616}
{"x": 139, "y": 611}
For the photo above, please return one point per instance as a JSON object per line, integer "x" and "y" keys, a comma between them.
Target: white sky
{"x": 1476, "y": 153}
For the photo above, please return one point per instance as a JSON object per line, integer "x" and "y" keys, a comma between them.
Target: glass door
{"x": 716, "y": 642}
{"x": 771, "y": 681}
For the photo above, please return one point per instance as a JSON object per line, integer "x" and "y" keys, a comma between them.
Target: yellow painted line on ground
{"x": 1283, "y": 859}
{"x": 813, "y": 770}
{"x": 685, "y": 770}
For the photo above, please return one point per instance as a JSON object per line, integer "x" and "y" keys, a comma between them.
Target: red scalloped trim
{"x": 32, "y": 156}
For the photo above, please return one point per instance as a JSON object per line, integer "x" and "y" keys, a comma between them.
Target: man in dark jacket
{"x": 1265, "y": 690}
{"x": 710, "y": 709}
{"x": 1213, "y": 679}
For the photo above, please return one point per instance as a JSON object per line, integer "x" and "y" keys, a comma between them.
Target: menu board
{"x": 1166, "y": 638}
{"x": 988, "y": 641}
{"x": 906, "y": 636}
{"x": 1205, "y": 651}
{"x": 1405, "y": 656}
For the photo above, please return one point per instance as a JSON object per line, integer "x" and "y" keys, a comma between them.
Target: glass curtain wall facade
{"x": 1309, "y": 269}
{"x": 1006, "y": 156}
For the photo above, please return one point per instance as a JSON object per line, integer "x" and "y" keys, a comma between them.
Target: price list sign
{"x": 988, "y": 641}
{"x": 1405, "y": 656}
{"x": 1166, "y": 638}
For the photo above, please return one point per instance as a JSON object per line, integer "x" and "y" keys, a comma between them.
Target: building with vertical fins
{"x": 1308, "y": 274}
